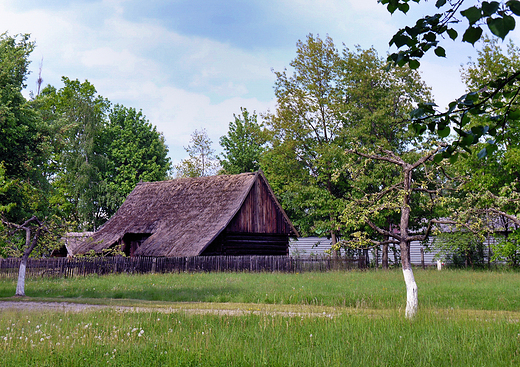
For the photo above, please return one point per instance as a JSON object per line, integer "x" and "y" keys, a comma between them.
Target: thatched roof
{"x": 183, "y": 216}
{"x": 71, "y": 242}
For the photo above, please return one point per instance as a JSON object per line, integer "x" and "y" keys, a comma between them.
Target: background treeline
{"x": 346, "y": 161}
{"x": 68, "y": 155}
{"x": 340, "y": 151}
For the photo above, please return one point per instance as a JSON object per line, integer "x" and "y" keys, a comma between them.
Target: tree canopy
{"x": 243, "y": 145}
{"x": 65, "y": 155}
{"x": 492, "y": 99}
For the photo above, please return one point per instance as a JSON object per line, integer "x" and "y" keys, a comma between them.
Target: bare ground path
{"x": 191, "y": 308}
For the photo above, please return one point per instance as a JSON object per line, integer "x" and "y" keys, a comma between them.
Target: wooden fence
{"x": 73, "y": 267}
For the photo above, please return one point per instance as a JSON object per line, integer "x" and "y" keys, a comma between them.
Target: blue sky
{"x": 191, "y": 64}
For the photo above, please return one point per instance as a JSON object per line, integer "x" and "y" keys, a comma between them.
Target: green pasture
{"x": 466, "y": 318}
{"x": 458, "y": 289}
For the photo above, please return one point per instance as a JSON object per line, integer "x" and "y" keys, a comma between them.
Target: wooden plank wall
{"x": 259, "y": 213}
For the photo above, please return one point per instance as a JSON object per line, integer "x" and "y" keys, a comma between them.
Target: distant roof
{"x": 182, "y": 216}
{"x": 73, "y": 240}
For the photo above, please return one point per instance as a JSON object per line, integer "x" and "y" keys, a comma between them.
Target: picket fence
{"x": 74, "y": 267}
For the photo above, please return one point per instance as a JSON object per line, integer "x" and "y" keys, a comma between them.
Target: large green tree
{"x": 99, "y": 152}
{"x": 134, "y": 151}
{"x": 307, "y": 142}
{"x": 243, "y": 145}
{"x": 335, "y": 101}
{"x": 24, "y": 140}
{"x": 77, "y": 113}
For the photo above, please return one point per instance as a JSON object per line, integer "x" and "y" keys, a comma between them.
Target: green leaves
{"x": 416, "y": 40}
{"x": 472, "y": 35}
{"x": 514, "y": 6}
{"x": 500, "y": 27}
{"x": 401, "y": 5}
{"x": 441, "y": 52}
{"x": 473, "y": 14}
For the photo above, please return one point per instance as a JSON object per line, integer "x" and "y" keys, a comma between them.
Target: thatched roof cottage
{"x": 218, "y": 215}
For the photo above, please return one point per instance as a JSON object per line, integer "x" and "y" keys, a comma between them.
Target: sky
{"x": 192, "y": 64}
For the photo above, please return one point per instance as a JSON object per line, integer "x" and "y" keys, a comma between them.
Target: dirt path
{"x": 81, "y": 307}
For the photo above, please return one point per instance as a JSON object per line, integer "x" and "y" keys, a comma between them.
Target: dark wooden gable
{"x": 260, "y": 227}
{"x": 260, "y": 213}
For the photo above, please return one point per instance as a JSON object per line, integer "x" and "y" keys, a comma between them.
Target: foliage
{"x": 78, "y": 113}
{"x": 333, "y": 101}
{"x": 135, "y": 151}
{"x": 507, "y": 248}
{"x": 99, "y": 153}
{"x": 23, "y": 142}
{"x": 243, "y": 145}
{"x": 201, "y": 161}
{"x": 494, "y": 99}
{"x": 460, "y": 248}
{"x": 485, "y": 196}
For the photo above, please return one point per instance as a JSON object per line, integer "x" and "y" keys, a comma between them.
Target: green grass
{"x": 446, "y": 289}
{"x": 109, "y": 338}
{"x": 465, "y": 318}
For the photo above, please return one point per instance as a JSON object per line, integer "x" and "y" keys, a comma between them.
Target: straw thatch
{"x": 183, "y": 217}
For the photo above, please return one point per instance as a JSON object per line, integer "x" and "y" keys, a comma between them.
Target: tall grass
{"x": 109, "y": 338}
{"x": 461, "y": 321}
{"x": 458, "y": 289}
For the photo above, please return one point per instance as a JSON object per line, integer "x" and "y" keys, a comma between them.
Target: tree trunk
{"x": 384, "y": 258}
{"x": 20, "y": 285}
{"x": 29, "y": 247}
{"x": 412, "y": 299}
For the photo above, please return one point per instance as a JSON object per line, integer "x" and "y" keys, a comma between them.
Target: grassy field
{"x": 355, "y": 318}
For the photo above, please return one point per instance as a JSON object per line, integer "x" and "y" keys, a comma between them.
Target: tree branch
{"x": 384, "y": 232}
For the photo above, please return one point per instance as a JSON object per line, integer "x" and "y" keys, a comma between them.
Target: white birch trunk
{"x": 20, "y": 286}
{"x": 411, "y": 293}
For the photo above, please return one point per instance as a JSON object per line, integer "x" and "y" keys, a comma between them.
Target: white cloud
{"x": 184, "y": 82}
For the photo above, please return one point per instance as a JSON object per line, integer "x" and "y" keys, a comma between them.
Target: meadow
{"x": 310, "y": 319}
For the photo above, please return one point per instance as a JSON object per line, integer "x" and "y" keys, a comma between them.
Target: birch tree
{"x": 201, "y": 161}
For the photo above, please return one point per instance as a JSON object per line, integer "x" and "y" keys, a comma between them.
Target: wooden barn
{"x": 217, "y": 215}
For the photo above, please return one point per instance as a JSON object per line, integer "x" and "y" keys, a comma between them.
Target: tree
{"x": 78, "y": 113}
{"x": 486, "y": 100}
{"x": 42, "y": 233}
{"x": 134, "y": 151}
{"x": 201, "y": 161}
{"x": 396, "y": 198}
{"x": 307, "y": 145}
{"x": 487, "y": 191}
{"x": 330, "y": 103}
{"x": 243, "y": 145}
{"x": 23, "y": 142}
